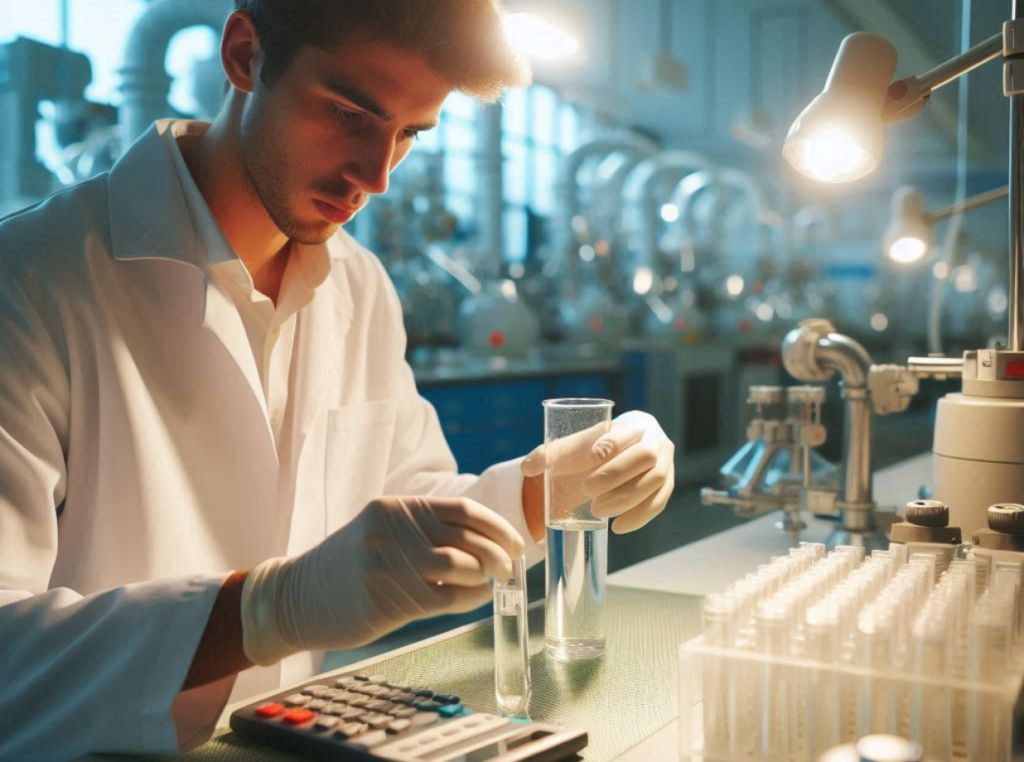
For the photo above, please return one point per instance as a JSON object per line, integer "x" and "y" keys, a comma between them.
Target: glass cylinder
{"x": 577, "y": 541}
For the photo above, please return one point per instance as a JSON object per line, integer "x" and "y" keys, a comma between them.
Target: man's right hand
{"x": 401, "y": 559}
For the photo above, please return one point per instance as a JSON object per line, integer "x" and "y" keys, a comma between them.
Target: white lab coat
{"x": 138, "y": 467}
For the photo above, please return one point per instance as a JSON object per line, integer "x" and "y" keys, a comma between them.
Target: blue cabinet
{"x": 490, "y": 421}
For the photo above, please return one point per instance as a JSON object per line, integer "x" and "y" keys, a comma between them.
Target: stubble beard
{"x": 266, "y": 170}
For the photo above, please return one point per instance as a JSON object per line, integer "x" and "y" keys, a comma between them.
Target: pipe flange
{"x": 928, "y": 513}
{"x": 1007, "y": 518}
{"x": 799, "y": 349}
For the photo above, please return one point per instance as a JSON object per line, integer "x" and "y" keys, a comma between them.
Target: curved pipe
{"x": 566, "y": 195}
{"x": 144, "y": 81}
{"x": 611, "y": 191}
{"x": 691, "y": 186}
{"x": 846, "y": 356}
{"x": 641, "y": 199}
{"x": 813, "y": 352}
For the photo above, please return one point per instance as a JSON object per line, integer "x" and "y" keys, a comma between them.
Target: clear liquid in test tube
{"x": 512, "y": 643}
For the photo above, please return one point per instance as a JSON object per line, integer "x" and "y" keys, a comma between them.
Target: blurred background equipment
{"x": 626, "y": 228}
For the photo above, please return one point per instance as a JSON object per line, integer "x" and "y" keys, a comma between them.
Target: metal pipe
{"x": 567, "y": 190}
{"x": 981, "y": 199}
{"x": 813, "y": 352}
{"x": 846, "y": 356}
{"x": 853, "y": 363}
{"x": 642, "y": 203}
{"x": 685, "y": 194}
{"x": 1016, "y": 183}
{"x": 144, "y": 81}
{"x": 957, "y": 66}
{"x": 858, "y": 448}
{"x": 936, "y": 366}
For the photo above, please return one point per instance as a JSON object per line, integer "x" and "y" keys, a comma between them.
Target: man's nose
{"x": 370, "y": 168}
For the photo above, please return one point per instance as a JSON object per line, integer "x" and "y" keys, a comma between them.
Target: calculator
{"x": 365, "y": 718}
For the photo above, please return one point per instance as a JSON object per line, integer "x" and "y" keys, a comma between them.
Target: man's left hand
{"x": 627, "y": 472}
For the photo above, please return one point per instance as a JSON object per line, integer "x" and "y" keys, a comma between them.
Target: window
{"x": 39, "y": 20}
{"x": 537, "y": 131}
{"x": 458, "y": 140}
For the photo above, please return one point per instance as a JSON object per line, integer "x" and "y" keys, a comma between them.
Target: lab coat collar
{"x": 149, "y": 217}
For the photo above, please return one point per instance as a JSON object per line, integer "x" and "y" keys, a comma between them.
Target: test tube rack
{"x": 818, "y": 649}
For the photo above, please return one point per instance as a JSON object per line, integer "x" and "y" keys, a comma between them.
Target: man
{"x": 201, "y": 372}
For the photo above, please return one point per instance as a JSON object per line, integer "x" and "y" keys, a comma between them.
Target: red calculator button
{"x": 269, "y": 710}
{"x": 298, "y": 715}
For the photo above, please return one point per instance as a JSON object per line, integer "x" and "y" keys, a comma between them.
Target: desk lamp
{"x": 978, "y": 444}
{"x": 909, "y": 234}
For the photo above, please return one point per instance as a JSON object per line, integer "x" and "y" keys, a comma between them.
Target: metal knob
{"x": 928, "y": 513}
{"x": 1007, "y": 518}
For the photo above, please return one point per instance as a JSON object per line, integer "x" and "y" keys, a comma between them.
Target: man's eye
{"x": 344, "y": 114}
{"x": 412, "y": 134}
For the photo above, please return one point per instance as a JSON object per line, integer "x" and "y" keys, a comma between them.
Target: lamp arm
{"x": 978, "y": 200}
{"x": 906, "y": 96}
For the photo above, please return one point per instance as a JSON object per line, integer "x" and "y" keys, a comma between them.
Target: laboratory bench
{"x": 705, "y": 566}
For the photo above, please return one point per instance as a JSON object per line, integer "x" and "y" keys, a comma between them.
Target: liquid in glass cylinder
{"x": 577, "y": 565}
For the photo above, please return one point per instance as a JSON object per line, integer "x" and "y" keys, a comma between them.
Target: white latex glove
{"x": 401, "y": 559}
{"x": 628, "y": 472}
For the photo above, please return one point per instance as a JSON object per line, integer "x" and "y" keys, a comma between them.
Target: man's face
{"x": 330, "y": 129}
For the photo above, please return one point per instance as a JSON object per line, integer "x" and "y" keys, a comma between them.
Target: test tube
{"x": 827, "y": 708}
{"x": 773, "y": 625}
{"x": 933, "y": 715}
{"x": 877, "y": 702}
{"x": 512, "y": 643}
{"x": 989, "y": 723}
{"x": 720, "y": 633}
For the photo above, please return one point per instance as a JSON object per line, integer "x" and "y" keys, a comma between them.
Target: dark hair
{"x": 462, "y": 40}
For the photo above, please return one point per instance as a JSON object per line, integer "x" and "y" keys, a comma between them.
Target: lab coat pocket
{"x": 359, "y": 441}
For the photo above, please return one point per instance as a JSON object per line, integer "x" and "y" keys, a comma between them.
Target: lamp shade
{"x": 838, "y": 137}
{"x": 909, "y": 234}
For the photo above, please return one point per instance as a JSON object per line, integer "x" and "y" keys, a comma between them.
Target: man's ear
{"x": 240, "y": 52}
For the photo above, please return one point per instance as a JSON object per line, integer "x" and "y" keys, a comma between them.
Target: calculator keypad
{"x": 368, "y": 712}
